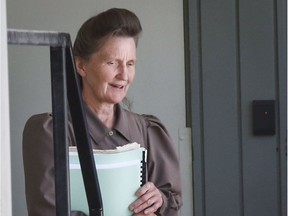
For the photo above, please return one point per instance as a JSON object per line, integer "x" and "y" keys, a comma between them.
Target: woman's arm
{"x": 38, "y": 160}
{"x": 163, "y": 172}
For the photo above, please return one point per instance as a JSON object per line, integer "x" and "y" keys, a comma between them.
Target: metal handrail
{"x": 65, "y": 83}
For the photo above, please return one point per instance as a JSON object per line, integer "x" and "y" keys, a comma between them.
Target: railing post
{"x": 59, "y": 110}
{"x": 62, "y": 71}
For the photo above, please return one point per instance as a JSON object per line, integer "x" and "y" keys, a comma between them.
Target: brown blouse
{"x": 148, "y": 131}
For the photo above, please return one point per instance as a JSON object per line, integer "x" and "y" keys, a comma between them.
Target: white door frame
{"x": 5, "y": 164}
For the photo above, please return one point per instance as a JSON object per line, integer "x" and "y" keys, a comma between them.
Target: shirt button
{"x": 110, "y": 133}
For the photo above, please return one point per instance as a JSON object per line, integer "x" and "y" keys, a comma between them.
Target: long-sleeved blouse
{"x": 148, "y": 131}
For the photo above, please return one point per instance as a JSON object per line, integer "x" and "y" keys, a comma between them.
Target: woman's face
{"x": 109, "y": 72}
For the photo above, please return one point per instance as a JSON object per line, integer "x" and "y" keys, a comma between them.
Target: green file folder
{"x": 119, "y": 174}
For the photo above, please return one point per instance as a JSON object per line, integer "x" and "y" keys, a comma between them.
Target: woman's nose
{"x": 123, "y": 73}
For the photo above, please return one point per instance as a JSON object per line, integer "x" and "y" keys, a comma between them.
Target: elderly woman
{"x": 105, "y": 57}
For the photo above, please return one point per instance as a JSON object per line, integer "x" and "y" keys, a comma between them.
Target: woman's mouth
{"x": 117, "y": 86}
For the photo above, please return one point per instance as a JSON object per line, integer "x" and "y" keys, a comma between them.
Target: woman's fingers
{"x": 149, "y": 199}
{"x": 142, "y": 214}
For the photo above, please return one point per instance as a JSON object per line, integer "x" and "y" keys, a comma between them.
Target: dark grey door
{"x": 238, "y": 55}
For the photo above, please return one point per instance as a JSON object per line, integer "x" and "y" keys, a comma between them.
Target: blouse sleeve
{"x": 39, "y": 165}
{"x": 38, "y": 161}
{"x": 163, "y": 166}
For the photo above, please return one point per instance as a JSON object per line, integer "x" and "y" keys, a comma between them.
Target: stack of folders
{"x": 121, "y": 172}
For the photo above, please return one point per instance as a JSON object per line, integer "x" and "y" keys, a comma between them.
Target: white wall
{"x": 5, "y": 164}
{"x": 159, "y": 85}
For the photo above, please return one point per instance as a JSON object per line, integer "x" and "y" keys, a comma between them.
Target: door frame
{"x": 5, "y": 162}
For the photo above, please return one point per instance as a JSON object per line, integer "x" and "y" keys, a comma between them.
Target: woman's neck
{"x": 105, "y": 112}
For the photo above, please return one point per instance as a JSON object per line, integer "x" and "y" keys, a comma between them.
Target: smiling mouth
{"x": 117, "y": 86}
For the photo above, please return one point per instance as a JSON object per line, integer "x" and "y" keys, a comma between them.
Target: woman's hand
{"x": 149, "y": 200}
{"x": 142, "y": 214}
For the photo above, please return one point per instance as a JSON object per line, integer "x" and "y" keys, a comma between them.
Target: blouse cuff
{"x": 170, "y": 202}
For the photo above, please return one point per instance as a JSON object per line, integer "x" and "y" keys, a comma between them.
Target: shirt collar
{"x": 122, "y": 124}
{"x": 98, "y": 130}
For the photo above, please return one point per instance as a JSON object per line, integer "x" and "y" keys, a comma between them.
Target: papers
{"x": 119, "y": 173}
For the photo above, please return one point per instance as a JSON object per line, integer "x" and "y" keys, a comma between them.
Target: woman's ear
{"x": 80, "y": 66}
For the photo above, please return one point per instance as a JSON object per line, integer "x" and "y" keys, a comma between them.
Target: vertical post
{"x": 5, "y": 153}
{"x": 84, "y": 147}
{"x": 58, "y": 80}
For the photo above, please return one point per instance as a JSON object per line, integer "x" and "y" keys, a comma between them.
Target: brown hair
{"x": 113, "y": 22}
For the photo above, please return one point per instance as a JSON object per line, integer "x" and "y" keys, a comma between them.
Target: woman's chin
{"x": 117, "y": 100}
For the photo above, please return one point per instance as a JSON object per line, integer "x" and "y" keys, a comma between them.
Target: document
{"x": 119, "y": 173}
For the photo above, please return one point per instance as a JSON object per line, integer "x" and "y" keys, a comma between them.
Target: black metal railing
{"x": 65, "y": 84}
